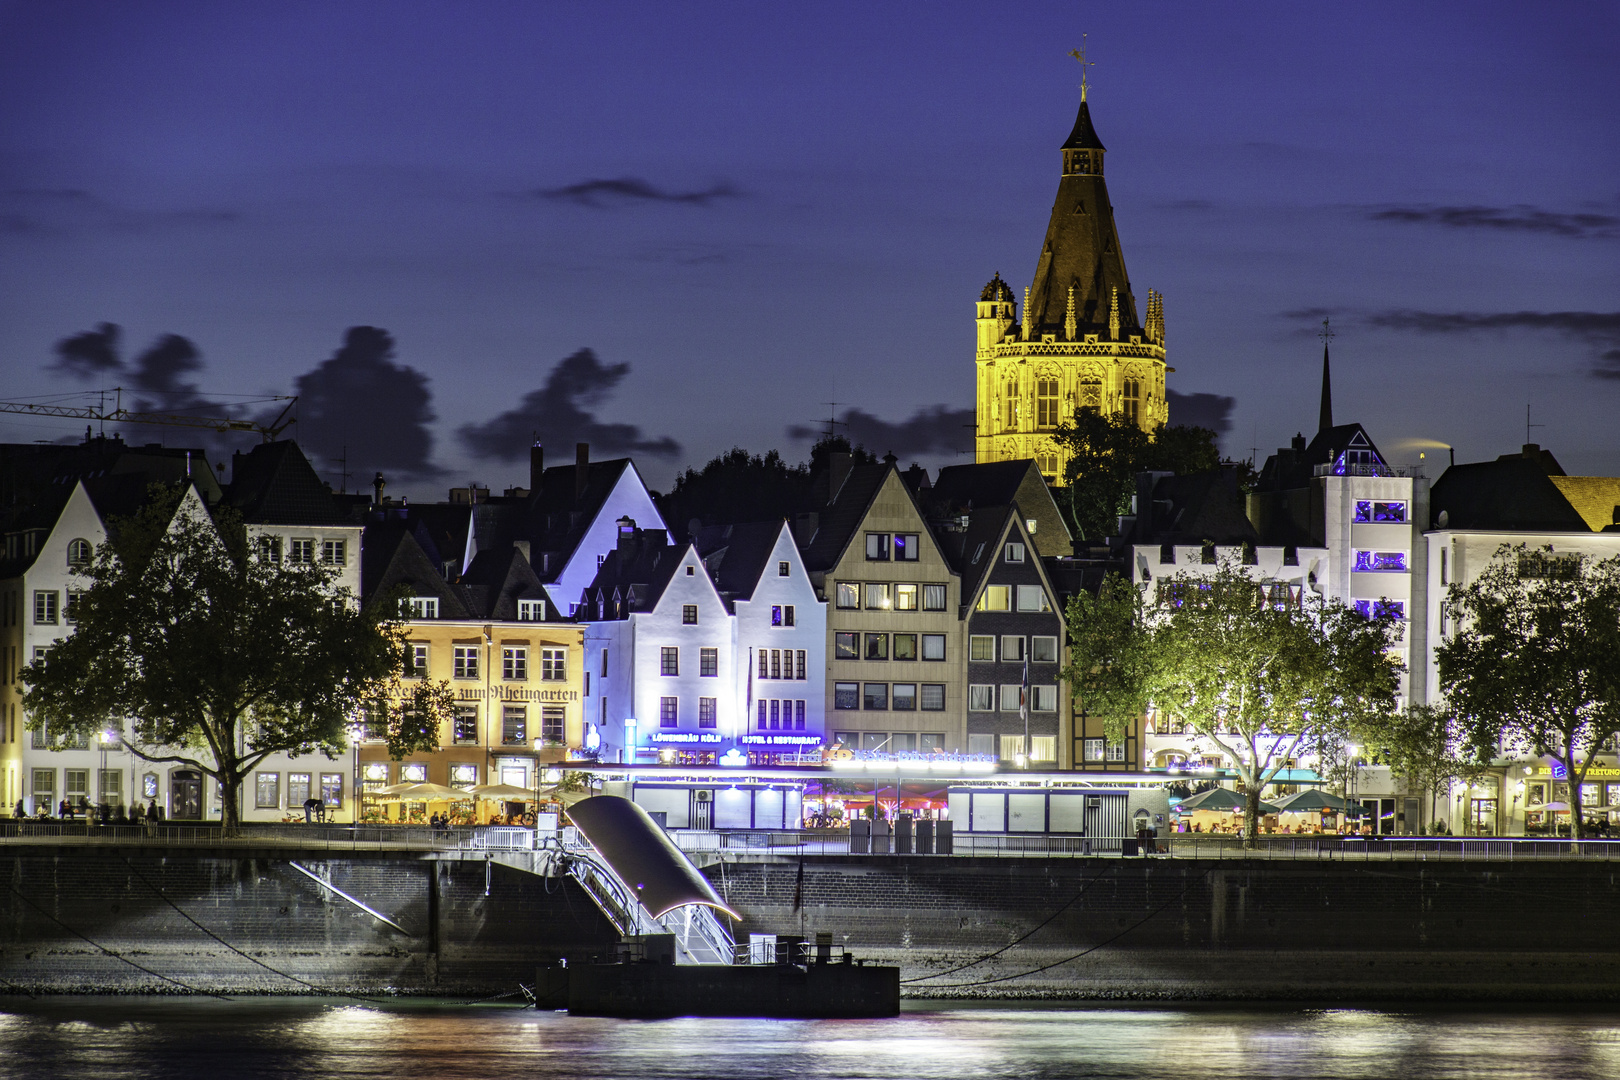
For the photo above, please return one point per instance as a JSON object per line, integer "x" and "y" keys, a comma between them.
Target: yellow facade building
{"x": 519, "y": 689}
{"x": 1080, "y": 342}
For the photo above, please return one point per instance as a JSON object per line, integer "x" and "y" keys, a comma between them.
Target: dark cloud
{"x": 58, "y": 211}
{"x": 1212, "y": 411}
{"x": 630, "y": 189}
{"x": 938, "y": 429}
{"x": 557, "y": 414}
{"x": 362, "y": 407}
{"x": 1519, "y": 218}
{"x": 1599, "y": 328}
{"x": 89, "y": 354}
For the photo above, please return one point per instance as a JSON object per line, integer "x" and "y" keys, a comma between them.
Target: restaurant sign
{"x": 684, "y": 737}
{"x": 514, "y": 693}
{"x": 781, "y": 740}
{"x": 1557, "y": 771}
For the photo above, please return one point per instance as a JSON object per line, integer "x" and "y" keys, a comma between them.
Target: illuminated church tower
{"x": 1080, "y": 342}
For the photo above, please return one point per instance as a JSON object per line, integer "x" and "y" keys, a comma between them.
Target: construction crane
{"x": 119, "y": 415}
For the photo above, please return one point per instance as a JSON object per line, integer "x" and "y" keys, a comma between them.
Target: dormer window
{"x": 423, "y": 607}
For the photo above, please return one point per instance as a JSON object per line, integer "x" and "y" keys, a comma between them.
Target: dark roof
{"x": 1071, "y": 576}
{"x": 274, "y": 484}
{"x": 634, "y": 574}
{"x": 1508, "y": 493}
{"x": 966, "y": 487}
{"x": 996, "y": 289}
{"x": 497, "y": 579}
{"x": 1291, "y": 467}
{"x": 392, "y": 558}
{"x": 643, "y": 855}
{"x": 736, "y": 555}
{"x": 1084, "y": 136}
{"x": 1198, "y": 508}
{"x": 839, "y": 520}
{"x": 561, "y": 509}
{"x": 971, "y": 550}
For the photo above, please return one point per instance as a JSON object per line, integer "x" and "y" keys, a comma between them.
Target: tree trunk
{"x": 230, "y": 820}
{"x": 1575, "y": 785}
{"x": 1251, "y": 816}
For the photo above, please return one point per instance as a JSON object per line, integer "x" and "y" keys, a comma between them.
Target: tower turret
{"x": 997, "y": 311}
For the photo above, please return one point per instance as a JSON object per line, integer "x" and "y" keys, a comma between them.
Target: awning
{"x": 643, "y": 856}
{"x": 1221, "y": 800}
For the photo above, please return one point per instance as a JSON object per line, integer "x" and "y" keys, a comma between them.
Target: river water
{"x": 137, "y": 1038}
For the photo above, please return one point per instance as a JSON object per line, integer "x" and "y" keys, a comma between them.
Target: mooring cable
{"x": 85, "y": 938}
{"x": 1016, "y": 941}
{"x": 1083, "y": 952}
{"x": 252, "y": 959}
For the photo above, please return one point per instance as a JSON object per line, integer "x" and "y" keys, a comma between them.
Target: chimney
{"x": 838, "y": 466}
{"x": 377, "y": 485}
{"x": 522, "y": 548}
{"x": 1298, "y": 443}
{"x": 537, "y": 465}
{"x": 804, "y": 527}
{"x": 582, "y": 468}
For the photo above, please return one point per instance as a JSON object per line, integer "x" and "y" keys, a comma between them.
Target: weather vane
{"x": 1080, "y": 56}
{"x": 1326, "y": 333}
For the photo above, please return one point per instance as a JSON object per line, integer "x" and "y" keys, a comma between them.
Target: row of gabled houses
{"x": 903, "y": 615}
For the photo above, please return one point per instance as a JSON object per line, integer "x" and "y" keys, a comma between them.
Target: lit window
{"x": 1380, "y": 562}
{"x": 905, "y": 598}
{"x": 846, "y": 645}
{"x": 848, "y": 595}
{"x": 1094, "y": 749}
{"x": 995, "y": 598}
{"x": 332, "y": 790}
{"x": 878, "y": 596}
{"x": 905, "y": 646}
{"x": 982, "y": 647}
{"x": 267, "y": 791}
{"x": 1381, "y": 609}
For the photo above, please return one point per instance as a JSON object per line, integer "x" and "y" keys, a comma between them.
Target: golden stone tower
{"x": 1080, "y": 343}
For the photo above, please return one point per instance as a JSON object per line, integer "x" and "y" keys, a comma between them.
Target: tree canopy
{"x": 199, "y": 650}
{"x": 737, "y": 486}
{"x": 1107, "y": 451}
{"x": 1534, "y": 661}
{"x": 1425, "y": 746}
{"x": 1258, "y": 675}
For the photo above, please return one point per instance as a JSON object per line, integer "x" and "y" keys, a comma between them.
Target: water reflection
{"x": 316, "y": 1039}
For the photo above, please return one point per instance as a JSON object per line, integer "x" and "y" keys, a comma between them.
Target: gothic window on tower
{"x": 1009, "y": 418}
{"x": 1048, "y": 464}
{"x": 1046, "y": 403}
{"x": 1133, "y": 399}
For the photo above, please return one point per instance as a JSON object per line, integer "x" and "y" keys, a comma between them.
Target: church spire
{"x": 1325, "y": 421}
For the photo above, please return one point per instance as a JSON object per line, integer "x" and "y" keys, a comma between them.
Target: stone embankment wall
{"x": 1184, "y": 929}
{"x": 78, "y": 920}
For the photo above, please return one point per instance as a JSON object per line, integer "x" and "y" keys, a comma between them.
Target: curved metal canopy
{"x": 643, "y": 856}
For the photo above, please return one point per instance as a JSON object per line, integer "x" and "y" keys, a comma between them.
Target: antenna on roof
{"x": 1527, "y": 424}
{"x": 832, "y": 421}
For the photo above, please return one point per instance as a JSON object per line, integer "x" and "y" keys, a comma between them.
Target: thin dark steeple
{"x": 1326, "y": 419}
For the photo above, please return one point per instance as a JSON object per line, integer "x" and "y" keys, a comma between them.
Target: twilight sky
{"x": 671, "y": 228}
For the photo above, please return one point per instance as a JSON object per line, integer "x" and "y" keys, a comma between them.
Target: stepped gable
{"x": 736, "y": 555}
{"x": 274, "y": 484}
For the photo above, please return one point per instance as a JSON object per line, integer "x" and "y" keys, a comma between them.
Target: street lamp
{"x": 107, "y": 738}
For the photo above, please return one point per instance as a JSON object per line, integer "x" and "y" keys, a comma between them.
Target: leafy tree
{"x": 1262, "y": 680}
{"x": 737, "y": 486}
{"x": 205, "y": 654}
{"x": 1110, "y": 654}
{"x": 1425, "y": 746}
{"x": 1534, "y": 663}
{"x": 1107, "y": 451}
